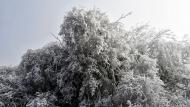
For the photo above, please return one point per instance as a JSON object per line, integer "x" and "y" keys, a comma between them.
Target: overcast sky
{"x": 27, "y": 24}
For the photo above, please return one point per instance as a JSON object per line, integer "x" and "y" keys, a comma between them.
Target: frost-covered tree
{"x": 171, "y": 57}
{"x": 106, "y": 59}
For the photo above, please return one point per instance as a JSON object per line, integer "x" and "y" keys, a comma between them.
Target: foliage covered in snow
{"x": 98, "y": 63}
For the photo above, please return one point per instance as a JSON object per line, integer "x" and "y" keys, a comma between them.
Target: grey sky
{"x": 26, "y": 24}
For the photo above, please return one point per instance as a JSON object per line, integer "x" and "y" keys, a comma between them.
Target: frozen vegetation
{"x": 99, "y": 63}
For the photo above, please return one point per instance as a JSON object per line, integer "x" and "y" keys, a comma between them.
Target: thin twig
{"x": 123, "y": 16}
{"x": 57, "y": 39}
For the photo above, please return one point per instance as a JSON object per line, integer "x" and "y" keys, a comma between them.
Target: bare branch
{"x": 57, "y": 39}
{"x": 123, "y": 16}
